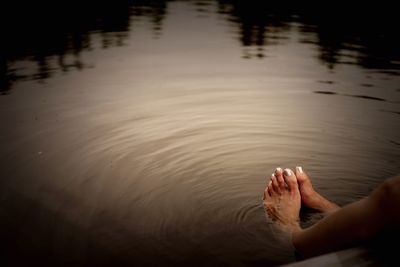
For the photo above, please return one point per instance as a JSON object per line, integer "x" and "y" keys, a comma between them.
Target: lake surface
{"x": 144, "y": 133}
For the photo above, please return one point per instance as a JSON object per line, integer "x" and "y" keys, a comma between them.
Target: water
{"x": 143, "y": 133}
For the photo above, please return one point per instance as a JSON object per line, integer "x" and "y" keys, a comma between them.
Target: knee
{"x": 387, "y": 196}
{"x": 391, "y": 190}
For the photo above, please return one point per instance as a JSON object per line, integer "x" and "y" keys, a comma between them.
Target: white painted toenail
{"x": 299, "y": 169}
{"x": 279, "y": 169}
{"x": 287, "y": 172}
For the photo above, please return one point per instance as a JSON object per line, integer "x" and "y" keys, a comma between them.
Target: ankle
{"x": 319, "y": 203}
{"x": 296, "y": 237}
{"x": 325, "y": 205}
{"x": 296, "y": 228}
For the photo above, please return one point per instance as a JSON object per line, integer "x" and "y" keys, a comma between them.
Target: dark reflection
{"x": 325, "y": 92}
{"x": 368, "y": 97}
{"x": 336, "y": 31}
{"x": 367, "y": 85}
{"x": 357, "y": 96}
{"x": 38, "y": 32}
{"x": 156, "y": 10}
{"x": 259, "y": 24}
{"x": 203, "y": 7}
{"x": 53, "y": 36}
{"x": 348, "y": 36}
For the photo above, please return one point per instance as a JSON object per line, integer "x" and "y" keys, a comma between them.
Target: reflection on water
{"x": 142, "y": 133}
{"x": 55, "y": 40}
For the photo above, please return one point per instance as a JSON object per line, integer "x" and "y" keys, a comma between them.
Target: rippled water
{"x": 144, "y": 134}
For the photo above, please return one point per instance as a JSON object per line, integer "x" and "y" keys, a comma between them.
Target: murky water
{"x": 143, "y": 134}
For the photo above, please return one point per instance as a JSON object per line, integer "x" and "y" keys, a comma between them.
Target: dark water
{"x": 142, "y": 133}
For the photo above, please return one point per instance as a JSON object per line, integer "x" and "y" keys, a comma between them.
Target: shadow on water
{"x": 356, "y": 96}
{"x": 39, "y": 32}
{"x": 368, "y": 97}
{"x": 325, "y": 92}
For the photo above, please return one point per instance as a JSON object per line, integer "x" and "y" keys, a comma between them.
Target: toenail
{"x": 287, "y": 172}
{"x": 279, "y": 169}
{"x": 299, "y": 169}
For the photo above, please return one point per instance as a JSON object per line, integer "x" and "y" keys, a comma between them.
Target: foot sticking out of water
{"x": 284, "y": 195}
{"x": 282, "y": 200}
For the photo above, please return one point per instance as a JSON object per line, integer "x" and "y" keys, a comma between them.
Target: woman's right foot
{"x": 310, "y": 197}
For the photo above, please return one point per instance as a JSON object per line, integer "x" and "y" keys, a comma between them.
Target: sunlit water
{"x": 155, "y": 150}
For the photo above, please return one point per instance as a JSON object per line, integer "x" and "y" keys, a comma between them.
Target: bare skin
{"x": 353, "y": 224}
{"x": 282, "y": 200}
{"x": 311, "y": 198}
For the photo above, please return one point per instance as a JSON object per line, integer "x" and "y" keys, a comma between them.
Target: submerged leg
{"x": 311, "y": 198}
{"x": 354, "y": 223}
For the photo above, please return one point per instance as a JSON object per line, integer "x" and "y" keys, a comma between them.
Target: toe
{"x": 301, "y": 175}
{"x": 267, "y": 194}
{"x": 290, "y": 179}
{"x": 274, "y": 184}
{"x": 279, "y": 178}
{"x": 271, "y": 191}
{"x": 278, "y": 171}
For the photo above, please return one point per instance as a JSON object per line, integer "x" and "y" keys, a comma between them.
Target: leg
{"x": 354, "y": 223}
{"x": 311, "y": 198}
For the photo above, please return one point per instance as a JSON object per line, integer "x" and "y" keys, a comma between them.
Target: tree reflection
{"x": 41, "y": 31}
{"x": 363, "y": 35}
{"x": 350, "y": 36}
{"x": 63, "y": 30}
{"x": 259, "y": 24}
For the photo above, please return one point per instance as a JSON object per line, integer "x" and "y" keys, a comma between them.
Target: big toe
{"x": 290, "y": 179}
{"x": 301, "y": 175}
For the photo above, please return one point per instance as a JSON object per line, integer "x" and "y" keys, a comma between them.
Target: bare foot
{"x": 282, "y": 200}
{"x": 309, "y": 196}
